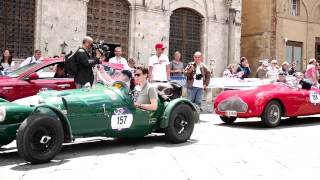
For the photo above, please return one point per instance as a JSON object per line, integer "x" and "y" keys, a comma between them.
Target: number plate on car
{"x": 231, "y": 113}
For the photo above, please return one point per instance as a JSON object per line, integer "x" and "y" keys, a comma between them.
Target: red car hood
{"x": 269, "y": 88}
{"x": 6, "y": 79}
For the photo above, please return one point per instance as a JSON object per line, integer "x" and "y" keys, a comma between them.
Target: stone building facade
{"x": 213, "y": 27}
{"x": 286, "y": 30}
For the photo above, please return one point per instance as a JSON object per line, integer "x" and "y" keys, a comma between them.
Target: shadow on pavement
{"x": 93, "y": 147}
{"x": 285, "y": 123}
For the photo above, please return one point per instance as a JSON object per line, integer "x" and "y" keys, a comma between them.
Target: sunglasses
{"x": 137, "y": 75}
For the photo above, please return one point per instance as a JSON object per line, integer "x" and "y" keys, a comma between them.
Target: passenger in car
{"x": 60, "y": 71}
{"x": 147, "y": 97}
{"x": 125, "y": 76}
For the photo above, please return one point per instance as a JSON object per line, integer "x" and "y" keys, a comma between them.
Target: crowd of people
{"x": 273, "y": 71}
{"x": 159, "y": 70}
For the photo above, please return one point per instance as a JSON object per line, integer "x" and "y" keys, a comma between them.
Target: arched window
{"x": 17, "y": 22}
{"x": 108, "y": 21}
{"x": 185, "y": 33}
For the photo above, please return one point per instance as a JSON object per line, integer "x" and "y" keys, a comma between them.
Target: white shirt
{"x": 272, "y": 73}
{"x": 30, "y": 60}
{"x": 159, "y": 67}
{"x": 197, "y": 83}
{"x": 121, "y": 60}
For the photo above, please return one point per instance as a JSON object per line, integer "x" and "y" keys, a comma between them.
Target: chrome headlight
{"x": 2, "y": 113}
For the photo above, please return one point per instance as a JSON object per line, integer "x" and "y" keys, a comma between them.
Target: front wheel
{"x": 271, "y": 115}
{"x": 39, "y": 138}
{"x": 228, "y": 120}
{"x": 181, "y": 124}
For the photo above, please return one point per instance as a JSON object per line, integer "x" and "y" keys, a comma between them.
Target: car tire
{"x": 272, "y": 113}
{"x": 180, "y": 125}
{"x": 39, "y": 138}
{"x": 228, "y": 120}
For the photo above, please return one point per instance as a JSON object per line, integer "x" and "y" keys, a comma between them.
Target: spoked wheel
{"x": 271, "y": 116}
{"x": 228, "y": 120}
{"x": 181, "y": 124}
{"x": 39, "y": 138}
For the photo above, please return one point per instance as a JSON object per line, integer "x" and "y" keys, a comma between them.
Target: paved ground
{"x": 244, "y": 150}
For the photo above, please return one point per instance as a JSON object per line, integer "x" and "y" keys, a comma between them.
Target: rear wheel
{"x": 39, "y": 138}
{"x": 228, "y": 120}
{"x": 271, "y": 115}
{"x": 181, "y": 124}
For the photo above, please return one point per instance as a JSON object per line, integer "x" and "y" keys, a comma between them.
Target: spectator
{"x": 311, "y": 72}
{"x": 118, "y": 59}
{"x": 282, "y": 77}
{"x": 299, "y": 76}
{"x": 285, "y": 67}
{"x": 176, "y": 65}
{"x": 293, "y": 68}
{"x": 244, "y": 68}
{"x": 147, "y": 98}
{"x": 159, "y": 65}
{"x": 7, "y": 65}
{"x": 100, "y": 53}
{"x": 132, "y": 63}
{"x": 85, "y": 64}
{"x": 262, "y": 70}
{"x": 273, "y": 70}
{"x": 60, "y": 71}
{"x": 198, "y": 78}
{"x": 231, "y": 71}
{"x": 36, "y": 58}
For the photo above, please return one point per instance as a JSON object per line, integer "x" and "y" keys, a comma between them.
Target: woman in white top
{"x": 273, "y": 70}
{"x": 231, "y": 71}
{"x": 7, "y": 65}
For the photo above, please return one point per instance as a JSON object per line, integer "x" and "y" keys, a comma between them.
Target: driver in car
{"x": 147, "y": 97}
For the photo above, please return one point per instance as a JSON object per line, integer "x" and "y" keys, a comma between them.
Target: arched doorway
{"x": 108, "y": 21}
{"x": 17, "y": 21}
{"x": 185, "y": 33}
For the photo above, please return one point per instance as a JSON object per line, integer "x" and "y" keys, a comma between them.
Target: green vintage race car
{"x": 41, "y": 124}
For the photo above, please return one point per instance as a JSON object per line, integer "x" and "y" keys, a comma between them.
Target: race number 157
{"x": 122, "y": 120}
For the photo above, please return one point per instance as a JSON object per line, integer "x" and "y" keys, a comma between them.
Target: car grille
{"x": 233, "y": 104}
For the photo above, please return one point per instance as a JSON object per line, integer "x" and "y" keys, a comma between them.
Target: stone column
{"x": 60, "y": 25}
{"x": 232, "y": 36}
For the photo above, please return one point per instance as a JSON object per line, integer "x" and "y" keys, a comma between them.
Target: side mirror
{"x": 33, "y": 76}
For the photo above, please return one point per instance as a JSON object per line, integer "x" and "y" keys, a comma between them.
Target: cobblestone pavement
{"x": 244, "y": 150}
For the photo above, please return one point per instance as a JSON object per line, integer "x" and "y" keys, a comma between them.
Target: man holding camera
{"x": 85, "y": 63}
{"x": 198, "y": 78}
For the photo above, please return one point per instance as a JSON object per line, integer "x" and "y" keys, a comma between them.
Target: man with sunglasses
{"x": 146, "y": 97}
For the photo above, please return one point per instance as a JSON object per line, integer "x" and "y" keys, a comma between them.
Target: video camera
{"x": 102, "y": 47}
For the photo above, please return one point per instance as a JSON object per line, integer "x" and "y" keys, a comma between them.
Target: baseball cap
{"x": 312, "y": 60}
{"x": 159, "y": 45}
{"x": 285, "y": 63}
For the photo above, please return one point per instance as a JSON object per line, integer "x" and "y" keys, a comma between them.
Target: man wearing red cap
{"x": 159, "y": 65}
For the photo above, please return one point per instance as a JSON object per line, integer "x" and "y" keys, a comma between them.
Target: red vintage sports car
{"x": 30, "y": 79}
{"x": 270, "y": 102}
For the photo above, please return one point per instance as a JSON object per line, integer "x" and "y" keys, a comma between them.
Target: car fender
{"x": 164, "y": 121}
{"x": 3, "y": 100}
{"x": 64, "y": 120}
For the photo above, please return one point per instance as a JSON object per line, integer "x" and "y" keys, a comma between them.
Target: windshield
{"x": 21, "y": 70}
